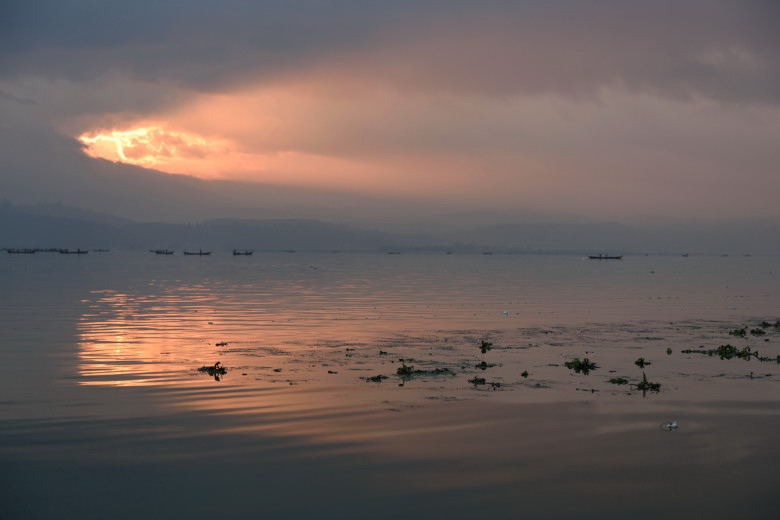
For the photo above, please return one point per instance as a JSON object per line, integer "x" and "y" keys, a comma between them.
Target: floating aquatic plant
{"x": 641, "y": 362}
{"x": 376, "y": 379}
{"x": 740, "y": 333}
{"x": 757, "y": 332}
{"x": 215, "y": 370}
{"x": 646, "y": 385}
{"x": 619, "y": 381}
{"x": 484, "y": 365}
{"x": 406, "y": 372}
{"x": 728, "y": 352}
{"x": 486, "y": 345}
{"x": 525, "y": 373}
{"x": 584, "y": 365}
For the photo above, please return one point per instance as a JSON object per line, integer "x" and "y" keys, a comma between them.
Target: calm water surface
{"x": 104, "y": 412}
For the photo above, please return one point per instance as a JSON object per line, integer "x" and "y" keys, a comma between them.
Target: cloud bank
{"x": 608, "y": 108}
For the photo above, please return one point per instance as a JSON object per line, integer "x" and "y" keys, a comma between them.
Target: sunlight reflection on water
{"x": 106, "y": 351}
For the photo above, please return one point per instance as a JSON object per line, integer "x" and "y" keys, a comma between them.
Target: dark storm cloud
{"x": 724, "y": 50}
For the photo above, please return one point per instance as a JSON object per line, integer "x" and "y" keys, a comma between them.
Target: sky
{"x": 612, "y": 109}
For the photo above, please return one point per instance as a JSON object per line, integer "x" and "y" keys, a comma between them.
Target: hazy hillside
{"x": 63, "y": 227}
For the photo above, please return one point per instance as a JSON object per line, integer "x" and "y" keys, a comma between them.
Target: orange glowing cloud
{"x": 152, "y": 146}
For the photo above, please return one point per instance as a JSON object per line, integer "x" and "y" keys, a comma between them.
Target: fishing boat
{"x": 605, "y": 257}
{"x": 199, "y": 252}
{"x": 161, "y": 251}
{"x": 236, "y": 252}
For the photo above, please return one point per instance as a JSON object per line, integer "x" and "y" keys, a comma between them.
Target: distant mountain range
{"x": 60, "y": 226}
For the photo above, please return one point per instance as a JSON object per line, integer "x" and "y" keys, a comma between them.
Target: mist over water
{"x": 104, "y": 400}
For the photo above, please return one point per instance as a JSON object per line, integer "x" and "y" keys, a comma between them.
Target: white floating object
{"x": 670, "y": 426}
{"x": 506, "y": 313}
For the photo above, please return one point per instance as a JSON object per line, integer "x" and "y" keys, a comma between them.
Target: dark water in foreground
{"x": 103, "y": 413}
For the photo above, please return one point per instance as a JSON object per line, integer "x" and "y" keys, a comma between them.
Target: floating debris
{"x": 376, "y": 379}
{"x": 222, "y": 344}
{"x": 669, "y": 426}
{"x": 484, "y": 365}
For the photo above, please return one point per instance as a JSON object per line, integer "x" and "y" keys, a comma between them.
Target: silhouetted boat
{"x": 161, "y": 251}
{"x": 21, "y": 251}
{"x": 236, "y": 252}
{"x": 199, "y": 252}
{"x": 76, "y": 252}
{"x": 605, "y": 257}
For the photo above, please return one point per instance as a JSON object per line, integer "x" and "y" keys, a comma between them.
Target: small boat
{"x": 161, "y": 251}
{"x": 605, "y": 257}
{"x": 76, "y": 252}
{"x": 236, "y": 252}
{"x": 199, "y": 252}
{"x": 20, "y": 251}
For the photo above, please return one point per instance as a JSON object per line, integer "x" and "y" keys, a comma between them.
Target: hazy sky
{"x": 616, "y": 109}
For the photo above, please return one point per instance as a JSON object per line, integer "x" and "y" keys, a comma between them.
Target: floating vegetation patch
{"x": 757, "y": 332}
{"x": 641, "y": 363}
{"x": 740, "y": 333}
{"x": 729, "y": 352}
{"x": 646, "y": 386}
{"x": 619, "y": 381}
{"x": 214, "y": 370}
{"x": 406, "y": 371}
{"x": 486, "y": 345}
{"x": 376, "y": 379}
{"x": 669, "y": 351}
{"x": 484, "y": 365}
{"x": 581, "y": 366}
{"x": 479, "y": 381}
{"x": 525, "y": 373}
{"x": 222, "y": 344}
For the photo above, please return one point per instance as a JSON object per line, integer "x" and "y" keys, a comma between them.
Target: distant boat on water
{"x": 605, "y": 257}
{"x": 161, "y": 251}
{"x": 76, "y": 252}
{"x": 199, "y": 252}
{"x": 236, "y": 252}
{"x": 21, "y": 251}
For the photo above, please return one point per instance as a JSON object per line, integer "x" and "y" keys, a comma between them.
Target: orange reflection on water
{"x": 131, "y": 341}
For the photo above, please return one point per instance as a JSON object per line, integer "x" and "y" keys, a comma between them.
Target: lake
{"x": 385, "y": 386}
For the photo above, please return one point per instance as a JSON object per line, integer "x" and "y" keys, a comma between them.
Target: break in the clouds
{"x": 613, "y": 107}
